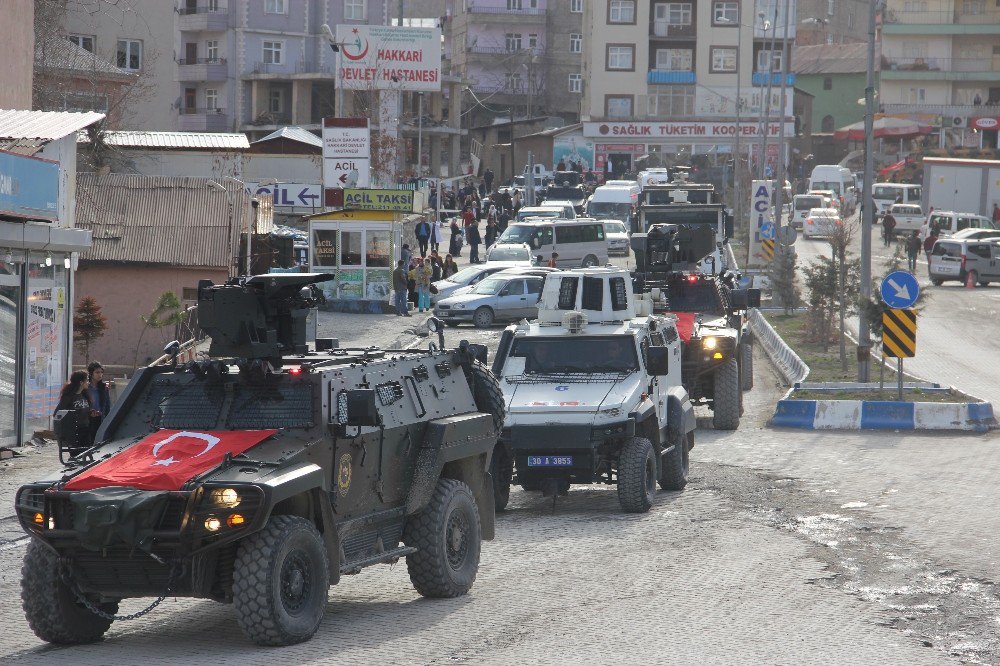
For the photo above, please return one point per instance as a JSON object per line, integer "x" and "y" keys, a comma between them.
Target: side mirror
{"x": 658, "y": 360}
{"x": 753, "y": 298}
{"x": 359, "y": 407}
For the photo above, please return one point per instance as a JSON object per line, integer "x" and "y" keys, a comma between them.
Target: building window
{"x": 85, "y": 42}
{"x": 532, "y": 40}
{"x": 827, "y": 83}
{"x": 618, "y": 106}
{"x": 670, "y": 101}
{"x": 726, "y": 13}
{"x": 575, "y": 42}
{"x": 521, "y": 4}
{"x": 513, "y": 41}
{"x": 513, "y": 82}
{"x": 211, "y": 98}
{"x": 576, "y": 83}
{"x": 827, "y": 124}
{"x": 916, "y": 96}
{"x": 576, "y": 6}
{"x": 765, "y": 58}
{"x": 915, "y": 6}
{"x": 620, "y": 57}
{"x": 355, "y": 10}
{"x": 674, "y": 60}
{"x": 275, "y": 100}
{"x": 273, "y": 53}
{"x": 723, "y": 59}
{"x": 130, "y": 54}
{"x": 674, "y": 13}
{"x": 212, "y": 50}
{"x": 850, "y": 19}
{"x": 275, "y": 7}
{"x": 830, "y": 7}
{"x": 621, "y": 11}
{"x": 975, "y": 7}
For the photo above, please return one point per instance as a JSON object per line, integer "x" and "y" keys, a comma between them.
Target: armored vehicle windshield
{"x": 591, "y": 354}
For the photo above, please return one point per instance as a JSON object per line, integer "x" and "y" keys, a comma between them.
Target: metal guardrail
{"x": 788, "y": 363}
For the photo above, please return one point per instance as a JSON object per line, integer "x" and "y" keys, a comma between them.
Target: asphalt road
{"x": 956, "y": 327}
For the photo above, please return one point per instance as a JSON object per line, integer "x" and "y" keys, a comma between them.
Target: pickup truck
{"x": 909, "y": 217}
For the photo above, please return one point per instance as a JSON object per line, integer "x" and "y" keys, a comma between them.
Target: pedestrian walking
{"x": 423, "y": 275}
{"x": 73, "y": 397}
{"x": 411, "y": 282}
{"x": 468, "y": 217}
{"x": 436, "y": 266}
{"x": 475, "y": 239}
{"x": 491, "y": 232}
{"x": 455, "y": 244}
{"x": 516, "y": 201}
{"x": 488, "y": 179}
{"x": 406, "y": 254}
{"x": 554, "y": 260}
{"x": 888, "y": 229}
{"x": 400, "y": 289}
{"x": 449, "y": 268}
{"x": 422, "y": 230}
{"x": 929, "y": 246}
{"x": 913, "y": 247}
{"x": 99, "y": 395}
{"x": 436, "y": 235}
{"x": 996, "y": 214}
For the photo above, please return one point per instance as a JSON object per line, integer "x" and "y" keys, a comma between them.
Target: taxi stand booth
{"x": 360, "y": 244}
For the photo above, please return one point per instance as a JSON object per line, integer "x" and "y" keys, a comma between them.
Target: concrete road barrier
{"x": 784, "y": 358}
{"x": 882, "y": 415}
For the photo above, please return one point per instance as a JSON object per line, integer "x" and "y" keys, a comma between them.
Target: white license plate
{"x": 949, "y": 270}
{"x": 550, "y": 461}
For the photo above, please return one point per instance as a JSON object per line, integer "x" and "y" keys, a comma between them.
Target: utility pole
{"x": 782, "y": 145}
{"x": 867, "y": 207}
{"x": 420, "y": 134}
{"x": 737, "y": 192}
{"x": 765, "y": 105}
{"x": 400, "y": 13}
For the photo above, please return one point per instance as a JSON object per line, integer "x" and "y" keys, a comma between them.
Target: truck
{"x": 261, "y": 474}
{"x": 593, "y": 393}
{"x": 711, "y": 315}
{"x": 961, "y": 185}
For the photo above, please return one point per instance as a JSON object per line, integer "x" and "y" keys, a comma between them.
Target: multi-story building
{"x": 942, "y": 58}
{"x": 520, "y": 56}
{"x": 139, "y": 41}
{"x": 831, "y": 22}
{"x": 660, "y": 78}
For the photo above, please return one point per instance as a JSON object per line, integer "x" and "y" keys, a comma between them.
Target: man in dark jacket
{"x": 99, "y": 395}
{"x": 399, "y": 288}
{"x": 422, "y": 230}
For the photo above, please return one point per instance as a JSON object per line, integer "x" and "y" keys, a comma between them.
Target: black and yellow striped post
{"x": 767, "y": 246}
{"x": 899, "y": 339}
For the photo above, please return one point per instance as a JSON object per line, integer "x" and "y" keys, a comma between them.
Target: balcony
{"x": 203, "y": 120}
{"x": 664, "y": 30}
{"x": 945, "y": 110}
{"x": 657, "y": 76}
{"x": 939, "y": 69}
{"x": 503, "y": 50}
{"x": 760, "y": 79}
{"x": 969, "y": 18}
{"x": 303, "y": 69}
{"x": 202, "y": 69}
{"x": 208, "y": 18}
{"x": 535, "y": 15}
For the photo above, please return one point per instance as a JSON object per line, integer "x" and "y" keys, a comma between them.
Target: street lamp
{"x": 336, "y": 46}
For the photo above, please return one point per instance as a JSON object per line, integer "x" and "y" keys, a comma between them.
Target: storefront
{"x": 37, "y": 257}
{"x": 358, "y": 247}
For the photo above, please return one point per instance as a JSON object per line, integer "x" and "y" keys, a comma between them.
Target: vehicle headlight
{"x": 709, "y": 343}
{"x": 226, "y": 497}
{"x": 458, "y": 306}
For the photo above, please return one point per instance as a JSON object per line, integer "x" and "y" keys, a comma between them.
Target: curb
{"x": 882, "y": 415}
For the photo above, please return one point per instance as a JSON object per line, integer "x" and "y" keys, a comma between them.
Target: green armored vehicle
{"x": 262, "y": 474}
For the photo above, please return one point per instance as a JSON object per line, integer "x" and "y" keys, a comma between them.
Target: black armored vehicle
{"x": 261, "y": 474}
{"x": 710, "y": 311}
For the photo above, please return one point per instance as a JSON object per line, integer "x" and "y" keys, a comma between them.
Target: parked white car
{"x": 617, "y": 236}
{"x": 821, "y": 222}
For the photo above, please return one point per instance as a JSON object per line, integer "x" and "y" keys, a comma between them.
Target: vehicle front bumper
{"x": 454, "y": 315}
{"x": 583, "y": 442}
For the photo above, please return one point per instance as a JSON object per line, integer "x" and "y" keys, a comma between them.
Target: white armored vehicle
{"x": 593, "y": 393}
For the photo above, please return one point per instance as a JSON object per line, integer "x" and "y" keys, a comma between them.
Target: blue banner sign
{"x": 29, "y": 187}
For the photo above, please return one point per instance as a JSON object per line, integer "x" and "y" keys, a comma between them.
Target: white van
{"x": 803, "y": 203}
{"x": 653, "y": 176}
{"x": 546, "y": 211}
{"x": 886, "y": 194}
{"x": 612, "y": 201}
{"x": 947, "y": 223}
{"x": 840, "y": 180}
{"x": 579, "y": 242}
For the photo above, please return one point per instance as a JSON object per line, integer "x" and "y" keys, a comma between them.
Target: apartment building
{"x": 520, "y": 56}
{"x": 831, "y": 22}
{"x": 660, "y": 78}
{"x": 941, "y": 59}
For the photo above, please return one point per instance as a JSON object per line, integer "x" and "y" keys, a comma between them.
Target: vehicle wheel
{"x": 726, "y": 402}
{"x": 483, "y": 318}
{"x": 937, "y": 282}
{"x": 452, "y": 324}
{"x": 487, "y": 394}
{"x": 971, "y": 275}
{"x": 676, "y": 464}
{"x": 746, "y": 365}
{"x": 589, "y": 261}
{"x": 51, "y": 607}
{"x": 984, "y": 283}
{"x": 280, "y": 582}
{"x": 446, "y": 534}
{"x": 637, "y": 475}
{"x": 502, "y": 471}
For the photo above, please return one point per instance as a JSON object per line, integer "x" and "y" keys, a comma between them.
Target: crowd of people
{"x": 88, "y": 395}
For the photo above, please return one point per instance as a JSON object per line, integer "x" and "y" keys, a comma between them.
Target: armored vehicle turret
{"x": 261, "y": 474}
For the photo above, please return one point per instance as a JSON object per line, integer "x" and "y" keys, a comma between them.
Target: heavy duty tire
{"x": 937, "y": 282}
{"x": 984, "y": 283}
{"x": 50, "y": 606}
{"x": 280, "y": 582}
{"x": 589, "y": 261}
{"x": 447, "y": 536}
{"x": 746, "y": 365}
{"x": 483, "y": 317}
{"x": 726, "y": 402}
{"x": 637, "y": 475}
{"x": 502, "y": 471}
{"x": 674, "y": 466}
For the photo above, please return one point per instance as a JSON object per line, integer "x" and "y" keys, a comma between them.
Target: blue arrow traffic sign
{"x": 767, "y": 231}
{"x": 899, "y": 289}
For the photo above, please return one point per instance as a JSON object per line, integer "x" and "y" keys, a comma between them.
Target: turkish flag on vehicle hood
{"x": 685, "y": 324}
{"x": 167, "y": 459}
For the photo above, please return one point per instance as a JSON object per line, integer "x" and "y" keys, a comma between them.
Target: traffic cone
{"x": 969, "y": 284}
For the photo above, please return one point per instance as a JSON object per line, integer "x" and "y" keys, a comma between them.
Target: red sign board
{"x": 985, "y": 123}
